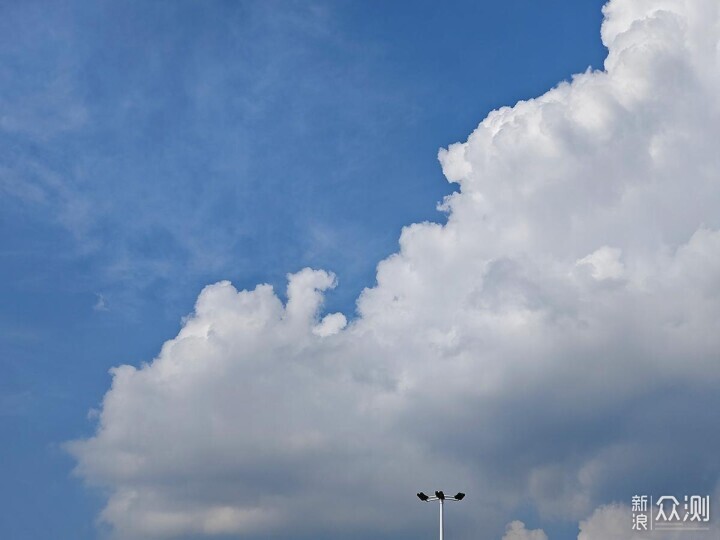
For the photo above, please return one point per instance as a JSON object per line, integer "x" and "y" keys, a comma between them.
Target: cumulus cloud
{"x": 604, "y": 263}
{"x": 517, "y": 531}
{"x": 611, "y": 522}
{"x": 555, "y": 343}
{"x": 100, "y": 303}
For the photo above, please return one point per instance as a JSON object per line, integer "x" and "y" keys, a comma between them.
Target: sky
{"x": 270, "y": 268}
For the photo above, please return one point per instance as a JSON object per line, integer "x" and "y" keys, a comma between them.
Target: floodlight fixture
{"x": 440, "y": 496}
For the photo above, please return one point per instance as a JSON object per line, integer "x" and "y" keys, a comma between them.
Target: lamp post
{"x": 440, "y": 496}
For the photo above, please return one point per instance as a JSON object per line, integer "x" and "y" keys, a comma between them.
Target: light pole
{"x": 440, "y": 496}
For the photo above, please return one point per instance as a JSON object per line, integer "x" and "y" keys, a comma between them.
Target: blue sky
{"x": 148, "y": 149}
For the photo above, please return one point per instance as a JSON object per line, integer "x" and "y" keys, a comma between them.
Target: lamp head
{"x": 440, "y": 495}
{"x": 460, "y": 496}
{"x": 422, "y": 497}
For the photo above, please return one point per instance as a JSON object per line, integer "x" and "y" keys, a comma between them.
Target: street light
{"x": 440, "y": 496}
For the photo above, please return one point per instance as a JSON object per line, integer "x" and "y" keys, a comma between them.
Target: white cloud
{"x": 608, "y": 522}
{"x": 517, "y": 531}
{"x": 614, "y": 522}
{"x": 101, "y": 303}
{"x": 330, "y": 325}
{"x": 485, "y": 358}
{"x": 604, "y": 263}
